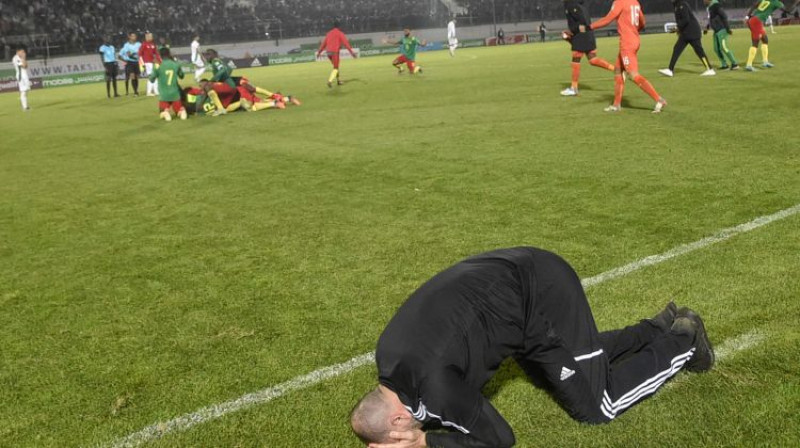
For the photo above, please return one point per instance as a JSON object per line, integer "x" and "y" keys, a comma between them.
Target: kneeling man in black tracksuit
{"x": 688, "y": 34}
{"x": 450, "y": 337}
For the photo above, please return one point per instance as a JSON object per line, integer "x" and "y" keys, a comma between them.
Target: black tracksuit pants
{"x": 594, "y": 376}
{"x": 681, "y": 44}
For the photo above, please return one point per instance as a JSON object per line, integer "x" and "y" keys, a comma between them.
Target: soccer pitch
{"x": 150, "y": 269}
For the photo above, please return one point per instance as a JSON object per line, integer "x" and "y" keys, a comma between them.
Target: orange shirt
{"x": 334, "y": 40}
{"x": 630, "y": 19}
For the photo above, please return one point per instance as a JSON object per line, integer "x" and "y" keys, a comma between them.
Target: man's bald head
{"x": 371, "y": 418}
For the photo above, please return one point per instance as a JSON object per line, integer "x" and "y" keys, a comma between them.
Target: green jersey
{"x": 408, "y": 47}
{"x": 765, "y": 9}
{"x": 168, "y": 74}
{"x": 222, "y": 73}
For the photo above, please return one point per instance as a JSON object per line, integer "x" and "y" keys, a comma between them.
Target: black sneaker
{"x": 666, "y": 317}
{"x": 703, "y": 359}
{"x": 735, "y": 67}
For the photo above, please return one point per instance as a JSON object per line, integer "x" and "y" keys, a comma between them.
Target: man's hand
{"x": 414, "y": 438}
{"x": 582, "y": 28}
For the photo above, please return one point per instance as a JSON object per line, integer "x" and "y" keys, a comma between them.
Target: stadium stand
{"x": 76, "y": 26}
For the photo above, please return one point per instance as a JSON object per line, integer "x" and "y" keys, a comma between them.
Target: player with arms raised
{"x": 756, "y": 17}
{"x": 333, "y": 42}
{"x": 583, "y": 43}
{"x": 630, "y": 19}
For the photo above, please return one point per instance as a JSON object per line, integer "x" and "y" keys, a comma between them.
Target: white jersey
{"x": 21, "y": 74}
{"x": 451, "y": 30}
{"x": 196, "y": 52}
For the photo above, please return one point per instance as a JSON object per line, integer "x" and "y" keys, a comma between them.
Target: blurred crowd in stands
{"x": 74, "y": 26}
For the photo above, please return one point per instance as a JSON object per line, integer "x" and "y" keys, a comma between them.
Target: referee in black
{"x": 689, "y": 33}
{"x": 450, "y": 337}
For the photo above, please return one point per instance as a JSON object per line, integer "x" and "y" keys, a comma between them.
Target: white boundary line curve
{"x": 212, "y": 412}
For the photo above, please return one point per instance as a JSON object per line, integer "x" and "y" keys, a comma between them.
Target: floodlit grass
{"x": 148, "y": 269}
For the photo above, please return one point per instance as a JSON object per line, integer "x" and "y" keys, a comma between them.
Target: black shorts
{"x": 132, "y": 68}
{"x": 584, "y": 42}
{"x": 112, "y": 69}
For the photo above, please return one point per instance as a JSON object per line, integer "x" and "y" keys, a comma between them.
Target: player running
{"x": 197, "y": 59}
{"x": 718, "y": 22}
{"x": 167, "y": 75}
{"x": 20, "y": 62}
{"x": 129, "y": 54}
{"x": 332, "y": 44}
{"x": 756, "y": 16}
{"x": 583, "y": 43}
{"x": 148, "y": 57}
{"x": 688, "y": 34}
{"x": 452, "y": 40}
{"x": 408, "y": 53}
{"x": 630, "y": 19}
{"x": 109, "y": 56}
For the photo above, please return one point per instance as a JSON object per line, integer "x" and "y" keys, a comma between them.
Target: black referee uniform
{"x": 449, "y": 338}
{"x": 689, "y": 33}
{"x": 577, "y": 15}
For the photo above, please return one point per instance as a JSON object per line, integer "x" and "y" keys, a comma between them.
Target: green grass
{"x": 148, "y": 269}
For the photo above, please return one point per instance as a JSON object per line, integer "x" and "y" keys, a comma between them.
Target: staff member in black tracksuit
{"x": 450, "y": 337}
{"x": 689, "y": 33}
{"x": 582, "y": 41}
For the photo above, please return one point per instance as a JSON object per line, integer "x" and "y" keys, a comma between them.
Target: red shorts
{"x": 404, "y": 60}
{"x": 757, "y": 30}
{"x": 247, "y": 95}
{"x": 334, "y": 58}
{"x": 227, "y": 94}
{"x": 628, "y": 60}
{"x": 164, "y": 105}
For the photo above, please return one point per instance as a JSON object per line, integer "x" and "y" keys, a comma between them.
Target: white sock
{"x": 23, "y": 98}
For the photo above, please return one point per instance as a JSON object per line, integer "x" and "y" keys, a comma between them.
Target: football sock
{"x": 108, "y": 88}
{"x": 264, "y": 105}
{"x": 602, "y": 63}
{"x": 234, "y": 106}
{"x": 645, "y": 85}
{"x": 264, "y": 92}
{"x": 334, "y": 75}
{"x": 576, "y": 73}
{"x": 215, "y": 98}
{"x": 115, "y": 87}
{"x": 135, "y": 83}
{"x": 127, "y": 81}
{"x": 764, "y": 53}
{"x": 704, "y": 60}
{"x": 751, "y": 56}
{"x": 619, "y": 87}
{"x": 23, "y": 98}
{"x": 416, "y": 69}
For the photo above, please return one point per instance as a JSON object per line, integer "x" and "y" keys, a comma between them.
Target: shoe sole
{"x": 702, "y": 344}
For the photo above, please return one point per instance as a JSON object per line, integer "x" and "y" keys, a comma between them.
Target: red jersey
{"x": 334, "y": 40}
{"x": 630, "y": 19}
{"x": 149, "y": 53}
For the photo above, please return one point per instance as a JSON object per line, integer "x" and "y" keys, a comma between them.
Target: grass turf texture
{"x": 148, "y": 269}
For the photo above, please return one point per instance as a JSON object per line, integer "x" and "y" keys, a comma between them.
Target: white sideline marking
{"x": 742, "y": 342}
{"x": 186, "y": 421}
{"x": 720, "y": 236}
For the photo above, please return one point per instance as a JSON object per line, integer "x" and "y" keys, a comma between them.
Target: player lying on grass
{"x": 209, "y": 98}
{"x": 718, "y": 22}
{"x": 408, "y": 52}
{"x": 332, "y": 44}
{"x": 583, "y": 43}
{"x": 169, "y": 91}
{"x": 688, "y": 34}
{"x": 630, "y": 19}
{"x": 755, "y": 18}
{"x": 450, "y": 337}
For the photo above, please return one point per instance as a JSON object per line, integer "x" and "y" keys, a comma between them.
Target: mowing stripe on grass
{"x": 186, "y": 421}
